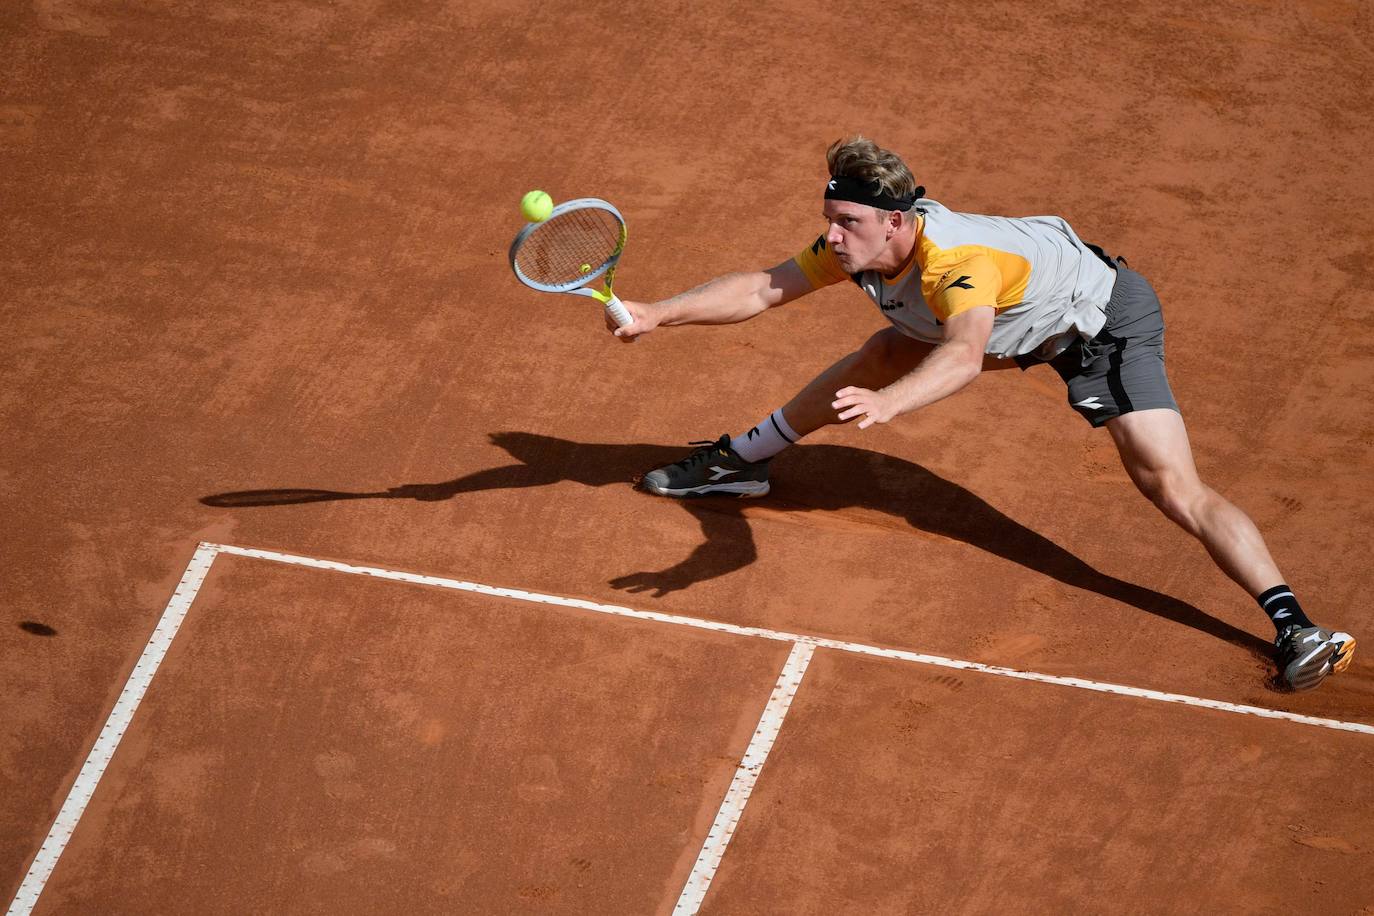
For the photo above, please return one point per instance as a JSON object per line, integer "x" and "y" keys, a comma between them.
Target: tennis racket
{"x": 581, "y": 241}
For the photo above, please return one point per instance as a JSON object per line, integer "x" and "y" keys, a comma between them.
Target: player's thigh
{"x": 1154, "y": 449}
{"x": 896, "y": 354}
{"x": 887, "y": 356}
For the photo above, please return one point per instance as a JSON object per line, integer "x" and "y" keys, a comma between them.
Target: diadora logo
{"x": 830, "y": 185}
{"x": 891, "y": 305}
{"x": 717, "y": 472}
{"x": 819, "y": 245}
{"x": 961, "y": 284}
{"x": 1092, "y": 403}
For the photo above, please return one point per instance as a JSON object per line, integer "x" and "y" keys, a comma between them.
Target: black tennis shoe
{"x": 1306, "y": 655}
{"x": 713, "y": 469}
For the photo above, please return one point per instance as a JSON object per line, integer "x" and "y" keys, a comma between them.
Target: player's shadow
{"x": 827, "y": 478}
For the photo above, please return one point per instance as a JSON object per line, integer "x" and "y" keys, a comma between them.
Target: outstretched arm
{"x": 724, "y": 300}
{"x": 950, "y": 367}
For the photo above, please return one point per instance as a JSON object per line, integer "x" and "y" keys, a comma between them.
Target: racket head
{"x": 584, "y": 233}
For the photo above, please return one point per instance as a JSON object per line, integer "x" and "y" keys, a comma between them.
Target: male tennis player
{"x": 964, "y": 294}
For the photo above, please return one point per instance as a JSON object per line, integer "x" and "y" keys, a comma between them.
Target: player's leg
{"x": 884, "y": 358}
{"x": 739, "y": 466}
{"x": 1118, "y": 380}
{"x": 1156, "y": 453}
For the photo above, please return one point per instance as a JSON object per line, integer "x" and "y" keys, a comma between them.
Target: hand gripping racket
{"x": 580, "y": 241}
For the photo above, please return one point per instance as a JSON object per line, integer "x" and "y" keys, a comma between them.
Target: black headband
{"x": 869, "y": 193}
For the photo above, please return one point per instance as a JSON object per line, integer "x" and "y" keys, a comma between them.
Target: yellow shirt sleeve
{"x": 966, "y": 284}
{"x": 820, "y": 265}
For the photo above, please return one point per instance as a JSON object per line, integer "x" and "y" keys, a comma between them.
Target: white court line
{"x": 746, "y": 774}
{"x": 817, "y": 641}
{"x": 134, "y": 688}
{"x": 139, "y": 679}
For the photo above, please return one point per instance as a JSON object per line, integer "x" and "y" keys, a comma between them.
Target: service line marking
{"x": 59, "y": 835}
{"x": 746, "y": 774}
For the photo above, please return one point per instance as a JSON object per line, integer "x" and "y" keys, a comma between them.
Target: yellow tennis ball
{"x": 536, "y": 206}
{"x": 586, "y": 268}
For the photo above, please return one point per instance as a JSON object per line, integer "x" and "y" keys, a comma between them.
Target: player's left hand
{"x": 852, "y": 402}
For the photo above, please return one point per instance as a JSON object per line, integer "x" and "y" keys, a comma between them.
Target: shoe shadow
{"x": 842, "y": 478}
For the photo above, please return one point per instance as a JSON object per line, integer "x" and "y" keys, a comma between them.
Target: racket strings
{"x": 570, "y": 246}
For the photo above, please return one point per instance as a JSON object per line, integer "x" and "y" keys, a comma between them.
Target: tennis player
{"x": 964, "y": 294}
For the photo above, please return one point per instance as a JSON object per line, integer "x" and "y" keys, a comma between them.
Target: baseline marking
{"x": 817, "y": 641}
{"x": 746, "y": 774}
{"x": 118, "y": 722}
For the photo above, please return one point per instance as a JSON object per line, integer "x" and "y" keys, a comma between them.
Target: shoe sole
{"x": 1332, "y": 656}
{"x": 741, "y": 490}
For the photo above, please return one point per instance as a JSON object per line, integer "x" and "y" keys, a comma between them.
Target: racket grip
{"x": 621, "y": 315}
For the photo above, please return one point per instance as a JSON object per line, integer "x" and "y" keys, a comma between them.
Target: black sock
{"x": 1283, "y": 608}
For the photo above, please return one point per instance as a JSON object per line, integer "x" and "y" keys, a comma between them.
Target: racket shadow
{"x": 807, "y": 478}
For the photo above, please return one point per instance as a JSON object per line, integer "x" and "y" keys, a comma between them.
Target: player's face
{"x": 857, "y": 234}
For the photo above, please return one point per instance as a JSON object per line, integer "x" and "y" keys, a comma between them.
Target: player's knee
{"x": 884, "y": 356}
{"x": 878, "y": 347}
{"x": 1177, "y": 497}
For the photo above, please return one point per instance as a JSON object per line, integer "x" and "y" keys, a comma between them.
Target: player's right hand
{"x": 645, "y": 320}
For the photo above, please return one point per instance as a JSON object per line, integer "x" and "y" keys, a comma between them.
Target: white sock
{"x": 771, "y": 436}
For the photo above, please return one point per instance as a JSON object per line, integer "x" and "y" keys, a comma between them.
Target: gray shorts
{"x": 1122, "y": 368}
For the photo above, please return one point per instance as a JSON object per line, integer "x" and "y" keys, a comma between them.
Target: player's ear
{"x": 895, "y": 220}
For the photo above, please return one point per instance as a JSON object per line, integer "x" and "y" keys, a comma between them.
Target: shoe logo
{"x": 1092, "y": 403}
{"x": 721, "y": 472}
{"x": 961, "y": 284}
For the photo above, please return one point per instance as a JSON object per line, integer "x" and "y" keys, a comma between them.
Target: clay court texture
{"x": 325, "y": 585}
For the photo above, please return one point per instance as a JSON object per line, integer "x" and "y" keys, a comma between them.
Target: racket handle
{"x": 621, "y": 314}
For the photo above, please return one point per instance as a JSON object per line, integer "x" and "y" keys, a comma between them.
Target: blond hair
{"x": 859, "y": 157}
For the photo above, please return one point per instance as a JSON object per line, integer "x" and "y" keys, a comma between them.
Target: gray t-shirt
{"x": 1047, "y": 286}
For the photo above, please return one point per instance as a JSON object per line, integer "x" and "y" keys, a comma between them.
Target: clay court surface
{"x": 267, "y": 377}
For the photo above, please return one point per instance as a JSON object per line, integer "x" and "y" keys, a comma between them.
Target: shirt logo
{"x": 818, "y": 245}
{"x": 891, "y": 305}
{"x": 961, "y": 284}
